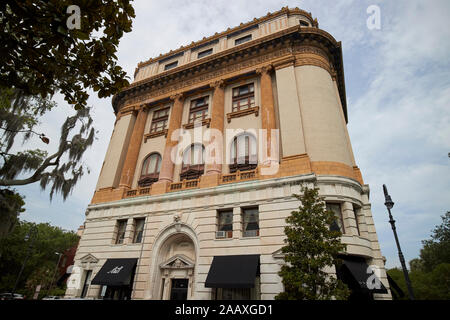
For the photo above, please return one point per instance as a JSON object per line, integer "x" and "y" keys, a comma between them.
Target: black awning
{"x": 233, "y": 272}
{"x": 115, "y": 272}
{"x": 358, "y": 269}
{"x": 396, "y": 291}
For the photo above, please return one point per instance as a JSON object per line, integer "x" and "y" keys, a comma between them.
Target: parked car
{"x": 51, "y": 298}
{"x": 10, "y": 296}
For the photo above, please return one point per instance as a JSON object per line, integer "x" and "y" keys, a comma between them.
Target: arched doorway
{"x": 176, "y": 264}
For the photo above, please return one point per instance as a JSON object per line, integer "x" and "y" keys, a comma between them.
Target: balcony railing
{"x": 185, "y": 184}
{"x": 137, "y": 192}
{"x": 239, "y": 176}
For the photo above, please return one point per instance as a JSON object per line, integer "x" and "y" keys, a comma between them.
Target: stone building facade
{"x": 271, "y": 94}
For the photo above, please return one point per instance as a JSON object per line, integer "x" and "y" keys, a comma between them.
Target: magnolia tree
{"x": 311, "y": 247}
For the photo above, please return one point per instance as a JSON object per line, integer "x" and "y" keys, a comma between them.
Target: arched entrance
{"x": 174, "y": 270}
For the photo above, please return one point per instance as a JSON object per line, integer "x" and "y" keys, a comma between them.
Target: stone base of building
{"x": 180, "y": 238}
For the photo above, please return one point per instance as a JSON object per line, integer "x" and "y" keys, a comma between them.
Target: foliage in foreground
{"x": 19, "y": 115}
{"x": 311, "y": 247}
{"x": 45, "y": 50}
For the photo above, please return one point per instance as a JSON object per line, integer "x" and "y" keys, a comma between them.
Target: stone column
{"x": 129, "y": 165}
{"x": 267, "y": 103}
{"x": 217, "y": 119}
{"x": 167, "y": 165}
{"x": 348, "y": 217}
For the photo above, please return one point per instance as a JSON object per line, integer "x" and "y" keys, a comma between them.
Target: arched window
{"x": 193, "y": 162}
{"x": 243, "y": 153}
{"x": 150, "y": 170}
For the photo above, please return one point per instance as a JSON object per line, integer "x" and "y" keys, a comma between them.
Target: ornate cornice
{"x": 303, "y": 45}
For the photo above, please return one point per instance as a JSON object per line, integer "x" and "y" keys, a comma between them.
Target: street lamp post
{"x": 31, "y": 235}
{"x": 389, "y": 205}
{"x": 54, "y": 273}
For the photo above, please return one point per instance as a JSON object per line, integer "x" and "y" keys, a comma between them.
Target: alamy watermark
{"x": 373, "y": 281}
{"x": 373, "y": 22}
{"x": 74, "y": 20}
{"x": 250, "y": 146}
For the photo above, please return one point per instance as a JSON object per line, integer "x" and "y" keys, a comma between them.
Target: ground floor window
{"x": 118, "y": 293}
{"x": 234, "y": 293}
{"x": 87, "y": 282}
{"x": 238, "y": 293}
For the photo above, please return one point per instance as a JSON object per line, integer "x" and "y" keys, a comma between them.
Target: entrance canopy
{"x": 363, "y": 277}
{"x": 116, "y": 272}
{"x": 233, "y": 271}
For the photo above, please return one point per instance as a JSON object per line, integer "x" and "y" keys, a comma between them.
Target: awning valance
{"x": 115, "y": 272}
{"x": 237, "y": 271}
{"x": 358, "y": 269}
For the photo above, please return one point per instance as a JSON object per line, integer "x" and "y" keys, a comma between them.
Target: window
{"x": 243, "y": 97}
{"x": 199, "y": 109}
{"x": 243, "y": 39}
{"x": 204, "y": 53}
{"x": 121, "y": 227}
{"x": 138, "y": 230}
{"x": 150, "y": 170}
{"x": 304, "y": 23}
{"x": 159, "y": 120}
{"x": 225, "y": 224}
{"x": 356, "y": 211}
{"x": 193, "y": 162}
{"x": 87, "y": 282}
{"x": 234, "y": 293}
{"x": 243, "y": 153}
{"x": 250, "y": 222}
{"x": 338, "y": 224}
{"x": 240, "y": 293}
{"x": 170, "y": 65}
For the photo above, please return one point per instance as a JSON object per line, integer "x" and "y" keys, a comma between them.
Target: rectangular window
{"x": 243, "y": 97}
{"x": 159, "y": 120}
{"x": 304, "y": 23}
{"x": 243, "y": 39}
{"x": 356, "y": 211}
{"x": 240, "y": 293}
{"x": 170, "y": 65}
{"x": 225, "y": 224}
{"x": 234, "y": 293}
{"x": 121, "y": 227}
{"x": 138, "y": 230}
{"x": 199, "y": 109}
{"x": 204, "y": 53}
{"x": 87, "y": 282}
{"x": 338, "y": 224}
{"x": 250, "y": 219}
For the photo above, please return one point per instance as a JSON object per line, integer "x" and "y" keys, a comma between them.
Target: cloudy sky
{"x": 398, "y": 94}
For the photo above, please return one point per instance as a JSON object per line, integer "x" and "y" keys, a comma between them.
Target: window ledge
{"x": 245, "y": 238}
{"x": 155, "y": 134}
{"x": 241, "y": 113}
{"x": 192, "y": 124}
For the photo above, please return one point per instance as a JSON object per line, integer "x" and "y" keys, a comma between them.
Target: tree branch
{"x": 37, "y": 174}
